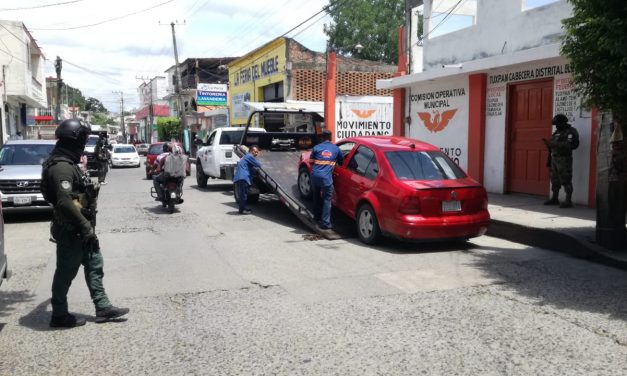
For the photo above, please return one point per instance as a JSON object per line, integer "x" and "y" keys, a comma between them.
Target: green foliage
{"x": 75, "y": 98}
{"x": 596, "y": 44}
{"x": 372, "y": 23}
{"x": 99, "y": 119}
{"x": 168, "y": 128}
{"x": 93, "y": 104}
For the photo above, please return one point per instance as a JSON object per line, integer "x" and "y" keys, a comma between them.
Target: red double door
{"x": 530, "y": 113}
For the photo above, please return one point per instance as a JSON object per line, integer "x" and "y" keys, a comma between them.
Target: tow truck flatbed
{"x": 280, "y": 152}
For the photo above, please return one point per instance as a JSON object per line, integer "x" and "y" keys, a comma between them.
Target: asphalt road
{"x": 215, "y": 293}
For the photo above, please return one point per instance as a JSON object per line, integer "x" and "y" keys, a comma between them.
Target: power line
{"x": 105, "y": 21}
{"x": 441, "y": 22}
{"x": 43, "y": 5}
{"x": 113, "y": 80}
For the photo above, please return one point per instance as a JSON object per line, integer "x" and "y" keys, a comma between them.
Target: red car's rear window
{"x": 423, "y": 165}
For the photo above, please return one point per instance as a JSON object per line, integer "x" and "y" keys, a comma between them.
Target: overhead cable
{"x": 42, "y": 6}
{"x": 105, "y": 21}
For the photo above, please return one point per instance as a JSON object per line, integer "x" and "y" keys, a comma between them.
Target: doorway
{"x": 530, "y": 111}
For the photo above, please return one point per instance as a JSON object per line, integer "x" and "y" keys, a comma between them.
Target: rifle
{"x": 89, "y": 212}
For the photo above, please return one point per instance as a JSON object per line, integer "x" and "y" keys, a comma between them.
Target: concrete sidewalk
{"x": 524, "y": 219}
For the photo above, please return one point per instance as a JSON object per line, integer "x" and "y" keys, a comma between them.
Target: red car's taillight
{"x": 410, "y": 205}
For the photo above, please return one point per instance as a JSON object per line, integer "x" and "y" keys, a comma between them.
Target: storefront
{"x": 490, "y": 116}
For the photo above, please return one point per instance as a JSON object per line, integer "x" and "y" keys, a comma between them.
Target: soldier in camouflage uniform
{"x": 66, "y": 187}
{"x": 565, "y": 139}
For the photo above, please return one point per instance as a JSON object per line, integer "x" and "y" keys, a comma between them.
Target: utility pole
{"x": 148, "y": 130}
{"x": 177, "y": 72}
{"x": 122, "y": 114}
{"x": 58, "y": 64}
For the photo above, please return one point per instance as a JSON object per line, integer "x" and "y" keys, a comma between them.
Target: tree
{"x": 94, "y": 105}
{"x": 594, "y": 41}
{"x": 372, "y": 23}
{"x": 168, "y": 128}
{"x": 99, "y": 118}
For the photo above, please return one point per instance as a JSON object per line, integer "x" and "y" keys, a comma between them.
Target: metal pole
{"x": 58, "y": 65}
{"x": 177, "y": 70}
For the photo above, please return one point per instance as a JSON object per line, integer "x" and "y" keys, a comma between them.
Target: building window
{"x": 448, "y": 16}
{"x": 531, "y": 4}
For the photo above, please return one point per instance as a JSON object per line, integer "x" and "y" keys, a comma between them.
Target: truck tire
{"x": 201, "y": 178}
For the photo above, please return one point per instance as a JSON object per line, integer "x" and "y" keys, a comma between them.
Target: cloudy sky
{"x": 133, "y": 38}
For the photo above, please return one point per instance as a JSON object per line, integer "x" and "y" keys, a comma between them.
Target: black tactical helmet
{"x": 559, "y": 119}
{"x": 166, "y": 147}
{"x": 73, "y": 130}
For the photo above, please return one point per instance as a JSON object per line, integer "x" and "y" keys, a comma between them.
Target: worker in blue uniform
{"x": 323, "y": 159}
{"x": 243, "y": 174}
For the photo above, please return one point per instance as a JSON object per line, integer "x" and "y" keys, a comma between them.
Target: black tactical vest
{"x": 47, "y": 189}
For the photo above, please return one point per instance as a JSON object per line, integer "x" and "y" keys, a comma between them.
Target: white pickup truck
{"x": 216, "y": 157}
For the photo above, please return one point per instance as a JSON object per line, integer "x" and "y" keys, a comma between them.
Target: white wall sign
{"x": 363, "y": 116}
{"x": 439, "y": 116}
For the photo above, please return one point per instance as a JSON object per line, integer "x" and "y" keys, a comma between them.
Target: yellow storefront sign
{"x": 249, "y": 74}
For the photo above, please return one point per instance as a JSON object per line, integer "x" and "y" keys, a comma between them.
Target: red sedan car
{"x": 403, "y": 188}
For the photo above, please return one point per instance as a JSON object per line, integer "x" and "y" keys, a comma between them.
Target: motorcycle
{"x": 172, "y": 192}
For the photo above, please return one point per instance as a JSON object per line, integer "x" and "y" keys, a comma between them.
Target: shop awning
{"x": 475, "y": 66}
{"x": 294, "y": 106}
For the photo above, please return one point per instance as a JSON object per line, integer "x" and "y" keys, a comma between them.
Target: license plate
{"x": 451, "y": 206}
{"x": 21, "y": 200}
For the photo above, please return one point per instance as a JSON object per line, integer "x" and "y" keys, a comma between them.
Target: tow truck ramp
{"x": 280, "y": 153}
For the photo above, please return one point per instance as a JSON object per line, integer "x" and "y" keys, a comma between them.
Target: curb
{"x": 554, "y": 240}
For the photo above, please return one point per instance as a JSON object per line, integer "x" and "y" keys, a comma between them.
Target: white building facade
{"x": 23, "y": 81}
{"x": 485, "y": 88}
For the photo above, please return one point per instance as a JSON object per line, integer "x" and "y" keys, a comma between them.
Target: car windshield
{"x": 231, "y": 137}
{"x": 24, "y": 154}
{"x": 423, "y": 165}
{"x": 156, "y": 149}
{"x": 91, "y": 141}
{"x": 124, "y": 149}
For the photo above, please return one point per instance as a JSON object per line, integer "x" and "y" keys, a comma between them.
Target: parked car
{"x": 20, "y": 174}
{"x": 4, "y": 269}
{"x": 403, "y": 188}
{"x": 142, "y": 149}
{"x": 124, "y": 155}
{"x": 153, "y": 152}
{"x": 216, "y": 157}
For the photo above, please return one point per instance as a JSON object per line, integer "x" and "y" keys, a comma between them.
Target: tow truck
{"x": 289, "y": 130}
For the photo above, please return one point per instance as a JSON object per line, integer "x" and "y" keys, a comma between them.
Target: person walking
{"x": 243, "y": 174}
{"x": 323, "y": 159}
{"x": 564, "y": 140}
{"x": 73, "y": 196}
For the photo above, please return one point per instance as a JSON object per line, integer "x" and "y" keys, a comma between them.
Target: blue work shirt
{"x": 323, "y": 158}
{"x": 244, "y": 168}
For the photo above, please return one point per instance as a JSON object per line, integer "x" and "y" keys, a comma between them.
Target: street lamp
{"x": 331, "y": 86}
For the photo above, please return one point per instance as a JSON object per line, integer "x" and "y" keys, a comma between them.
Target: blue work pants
{"x": 322, "y": 192}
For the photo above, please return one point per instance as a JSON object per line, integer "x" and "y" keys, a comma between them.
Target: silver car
{"x": 20, "y": 174}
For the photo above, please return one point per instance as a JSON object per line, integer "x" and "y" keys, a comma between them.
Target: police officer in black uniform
{"x": 73, "y": 195}
{"x": 100, "y": 153}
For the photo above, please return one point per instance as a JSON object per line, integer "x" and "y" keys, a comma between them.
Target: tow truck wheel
{"x": 367, "y": 225}
{"x": 201, "y": 178}
{"x": 304, "y": 183}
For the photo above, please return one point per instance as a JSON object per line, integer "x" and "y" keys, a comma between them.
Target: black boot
{"x": 553, "y": 200}
{"x": 111, "y": 312}
{"x": 67, "y": 321}
{"x": 567, "y": 203}
{"x": 568, "y": 188}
